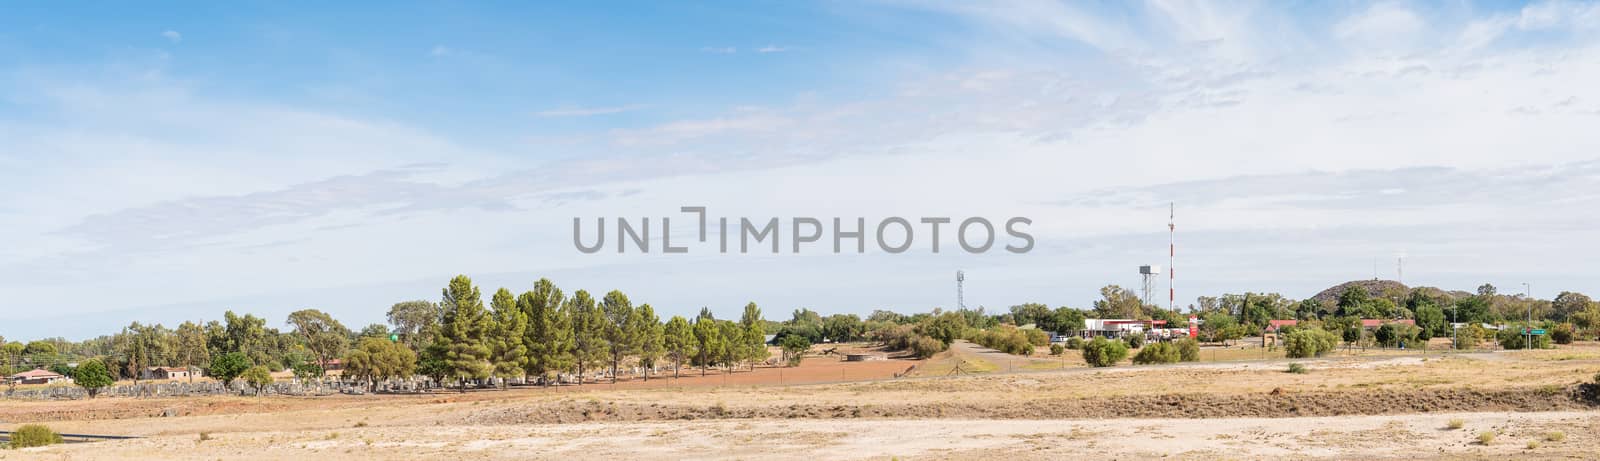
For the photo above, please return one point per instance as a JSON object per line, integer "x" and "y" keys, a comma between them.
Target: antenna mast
{"x": 961, "y": 295}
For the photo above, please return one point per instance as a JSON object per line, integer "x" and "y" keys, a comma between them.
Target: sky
{"x": 163, "y": 163}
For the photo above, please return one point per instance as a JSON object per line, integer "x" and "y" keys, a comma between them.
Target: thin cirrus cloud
{"x": 172, "y": 35}
{"x": 587, "y": 111}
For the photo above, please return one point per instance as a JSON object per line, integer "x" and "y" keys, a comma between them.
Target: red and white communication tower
{"x": 1172, "y": 252}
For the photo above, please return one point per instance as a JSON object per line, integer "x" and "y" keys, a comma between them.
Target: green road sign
{"x": 1539, "y": 332}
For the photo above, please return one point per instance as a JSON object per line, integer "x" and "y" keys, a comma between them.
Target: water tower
{"x": 1148, "y": 273}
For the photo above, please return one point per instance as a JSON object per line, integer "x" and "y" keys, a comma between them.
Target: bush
{"x": 1562, "y": 334}
{"x": 1007, "y": 339}
{"x": 1469, "y": 337}
{"x": 1075, "y": 343}
{"x": 1104, "y": 353}
{"x": 1157, "y": 353}
{"x": 1134, "y": 341}
{"x": 1037, "y": 337}
{"x": 1188, "y": 350}
{"x": 1057, "y": 349}
{"x": 1485, "y": 438}
{"x": 1457, "y": 423}
{"x": 33, "y": 435}
{"x": 1310, "y": 342}
{"x": 1556, "y": 436}
{"x": 1297, "y": 369}
{"x": 925, "y": 347}
{"x": 1513, "y": 338}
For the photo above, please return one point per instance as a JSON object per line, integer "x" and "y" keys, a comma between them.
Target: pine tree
{"x": 708, "y": 343}
{"x": 588, "y": 332}
{"x": 621, "y": 328}
{"x": 510, "y": 330}
{"x": 549, "y": 334}
{"x": 678, "y": 341}
{"x": 733, "y": 348}
{"x": 651, "y": 342}
{"x": 755, "y": 334}
{"x": 465, "y": 332}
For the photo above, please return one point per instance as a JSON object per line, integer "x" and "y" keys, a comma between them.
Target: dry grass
{"x": 1456, "y": 423}
{"x": 1485, "y": 438}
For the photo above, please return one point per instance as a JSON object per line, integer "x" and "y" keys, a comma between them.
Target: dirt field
{"x": 1377, "y": 406}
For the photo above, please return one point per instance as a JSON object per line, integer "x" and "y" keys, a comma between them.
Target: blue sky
{"x": 165, "y": 163}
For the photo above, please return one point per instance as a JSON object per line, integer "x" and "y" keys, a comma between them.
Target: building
{"x": 168, "y": 373}
{"x": 37, "y": 377}
{"x": 1117, "y": 328}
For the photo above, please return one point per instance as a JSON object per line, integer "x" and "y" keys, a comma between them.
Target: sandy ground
{"x": 1367, "y": 407}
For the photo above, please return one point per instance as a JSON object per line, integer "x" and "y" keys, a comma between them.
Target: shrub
{"x": 93, "y": 376}
{"x": 1057, "y": 349}
{"x": 1007, "y": 339}
{"x": 1075, "y": 343}
{"x": 1297, "y": 369}
{"x": 1556, "y": 436}
{"x": 1134, "y": 341}
{"x": 1457, "y": 423}
{"x": 1469, "y": 337}
{"x": 1310, "y": 342}
{"x": 1104, "y": 353}
{"x": 1532, "y": 444}
{"x": 1157, "y": 353}
{"x": 1188, "y": 350}
{"x": 1513, "y": 338}
{"x": 1037, "y": 337}
{"x": 1562, "y": 334}
{"x": 33, "y": 435}
{"x": 924, "y": 347}
{"x": 1485, "y": 437}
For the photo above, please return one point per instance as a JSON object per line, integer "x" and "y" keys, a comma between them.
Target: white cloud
{"x": 440, "y": 50}
{"x": 771, "y": 49}
{"x": 172, "y": 35}
{"x": 719, "y": 50}
{"x": 1382, "y": 25}
{"x": 587, "y": 111}
{"x": 1560, "y": 13}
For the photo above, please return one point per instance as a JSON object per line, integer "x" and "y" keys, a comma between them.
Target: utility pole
{"x": 1527, "y": 329}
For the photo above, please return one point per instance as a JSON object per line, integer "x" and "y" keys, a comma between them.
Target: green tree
{"x": 229, "y": 366}
{"x": 192, "y": 350}
{"x": 1118, "y": 303}
{"x": 621, "y": 328}
{"x": 794, "y": 348}
{"x": 651, "y": 339}
{"x": 1035, "y": 313}
{"x": 416, "y": 322}
{"x": 549, "y": 333}
{"x": 508, "y": 335}
{"x": 842, "y": 328}
{"x": 246, "y": 334}
{"x": 378, "y": 359}
{"x": 1568, "y": 303}
{"x": 1063, "y": 320}
{"x": 755, "y": 333}
{"x": 465, "y": 332}
{"x": 373, "y": 330}
{"x": 708, "y": 343}
{"x": 92, "y": 376}
{"x": 258, "y": 377}
{"x": 588, "y": 332}
{"x": 1562, "y": 334}
{"x": 733, "y": 351}
{"x": 679, "y": 340}
{"x": 324, "y": 336}
{"x": 946, "y": 327}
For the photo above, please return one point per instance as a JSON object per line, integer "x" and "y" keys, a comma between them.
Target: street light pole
{"x": 1527, "y": 330}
